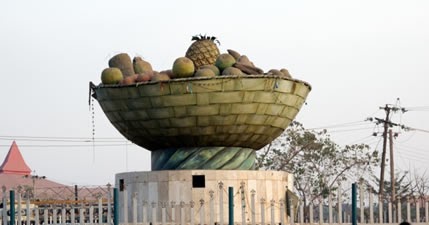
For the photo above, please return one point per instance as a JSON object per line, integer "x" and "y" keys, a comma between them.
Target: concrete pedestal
{"x": 196, "y": 195}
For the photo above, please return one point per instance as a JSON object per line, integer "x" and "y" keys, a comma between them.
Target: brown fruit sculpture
{"x": 123, "y": 62}
{"x": 129, "y": 80}
{"x": 141, "y": 66}
{"x": 160, "y": 77}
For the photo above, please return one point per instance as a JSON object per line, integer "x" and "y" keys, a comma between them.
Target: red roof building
{"x": 15, "y": 172}
{"x": 14, "y": 162}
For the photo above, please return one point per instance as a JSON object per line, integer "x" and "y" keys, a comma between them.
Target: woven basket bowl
{"x": 230, "y": 111}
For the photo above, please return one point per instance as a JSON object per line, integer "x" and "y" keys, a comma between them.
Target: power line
{"x": 418, "y": 129}
{"x": 53, "y": 137}
{"x": 60, "y": 140}
{"x": 417, "y": 108}
{"x": 66, "y": 146}
{"x": 337, "y": 125}
{"x": 347, "y": 130}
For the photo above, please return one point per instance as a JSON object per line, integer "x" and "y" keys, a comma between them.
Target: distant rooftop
{"x": 14, "y": 163}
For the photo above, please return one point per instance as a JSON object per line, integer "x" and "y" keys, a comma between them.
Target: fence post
{"x": 211, "y": 193}
{"x": 252, "y": 206}
{"x": 399, "y": 210}
{"x": 426, "y": 209}
{"x": 109, "y": 200}
{"x": 310, "y": 212}
{"x": 173, "y": 212}
{"x": 54, "y": 215}
{"x": 81, "y": 215}
{"x": 329, "y": 208}
{"x": 19, "y": 205}
{"x": 221, "y": 203}
{"x": 144, "y": 212}
{"x": 262, "y": 211}
{"x": 272, "y": 202}
{"x": 231, "y": 205}
{"x": 192, "y": 204}
{"x": 340, "y": 205}
{"x": 100, "y": 209}
{"x": 134, "y": 205}
{"x": 63, "y": 215}
{"x": 27, "y": 207}
{"x": 182, "y": 213}
{"x": 408, "y": 209}
{"x": 361, "y": 203}
{"x": 371, "y": 206}
{"x": 4, "y": 200}
{"x": 418, "y": 210}
{"x": 12, "y": 207}
{"x": 390, "y": 218}
{"x": 125, "y": 202}
{"x": 243, "y": 204}
{"x": 72, "y": 214}
{"x": 202, "y": 213}
{"x": 354, "y": 206}
{"x": 282, "y": 213}
{"x": 36, "y": 217}
{"x": 320, "y": 211}
{"x": 301, "y": 213}
{"x": 163, "y": 213}
{"x": 45, "y": 216}
{"x": 153, "y": 220}
{"x": 91, "y": 214}
{"x": 115, "y": 206}
{"x": 380, "y": 209}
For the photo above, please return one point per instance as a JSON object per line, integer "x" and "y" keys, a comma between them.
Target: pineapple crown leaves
{"x": 201, "y": 37}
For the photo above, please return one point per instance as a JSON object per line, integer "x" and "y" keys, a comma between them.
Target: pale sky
{"x": 357, "y": 55}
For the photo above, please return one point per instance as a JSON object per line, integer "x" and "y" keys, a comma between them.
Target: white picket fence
{"x": 271, "y": 212}
{"x": 57, "y": 214}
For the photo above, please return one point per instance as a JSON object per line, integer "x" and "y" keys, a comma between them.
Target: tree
{"x": 419, "y": 184}
{"x": 318, "y": 163}
{"x": 403, "y": 187}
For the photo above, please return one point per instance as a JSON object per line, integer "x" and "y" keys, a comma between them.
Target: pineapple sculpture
{"x": 203, "y": 51}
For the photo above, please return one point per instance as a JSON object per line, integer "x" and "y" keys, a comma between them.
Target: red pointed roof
{"x": 14, "y": 162}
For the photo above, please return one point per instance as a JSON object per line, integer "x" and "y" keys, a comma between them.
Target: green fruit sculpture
{"x": 204, "y": 73}
{"x": 183, "y": 67}
{"x": 123, "y": 62}
{"x": 224, "y": 60}
{"x": 111, "y": 76}
{"x": 232, "y": 71}
{"x": 213, "y": 68}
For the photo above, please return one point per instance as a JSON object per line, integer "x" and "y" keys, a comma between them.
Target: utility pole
{"x": 383, "y": 156}
{"x": 386, "y": 124}
{"x": 392, "y": 168}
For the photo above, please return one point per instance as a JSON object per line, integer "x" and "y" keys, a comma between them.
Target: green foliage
{"x": 317, "y": 162}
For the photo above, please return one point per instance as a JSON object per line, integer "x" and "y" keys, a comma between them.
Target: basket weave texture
{"x": 230, "y": 111}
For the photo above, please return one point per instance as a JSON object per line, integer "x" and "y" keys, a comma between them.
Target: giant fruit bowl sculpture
{"x": 203, "y": 123}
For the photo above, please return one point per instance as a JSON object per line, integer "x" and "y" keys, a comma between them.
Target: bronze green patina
{"x": 219, "y": 158}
